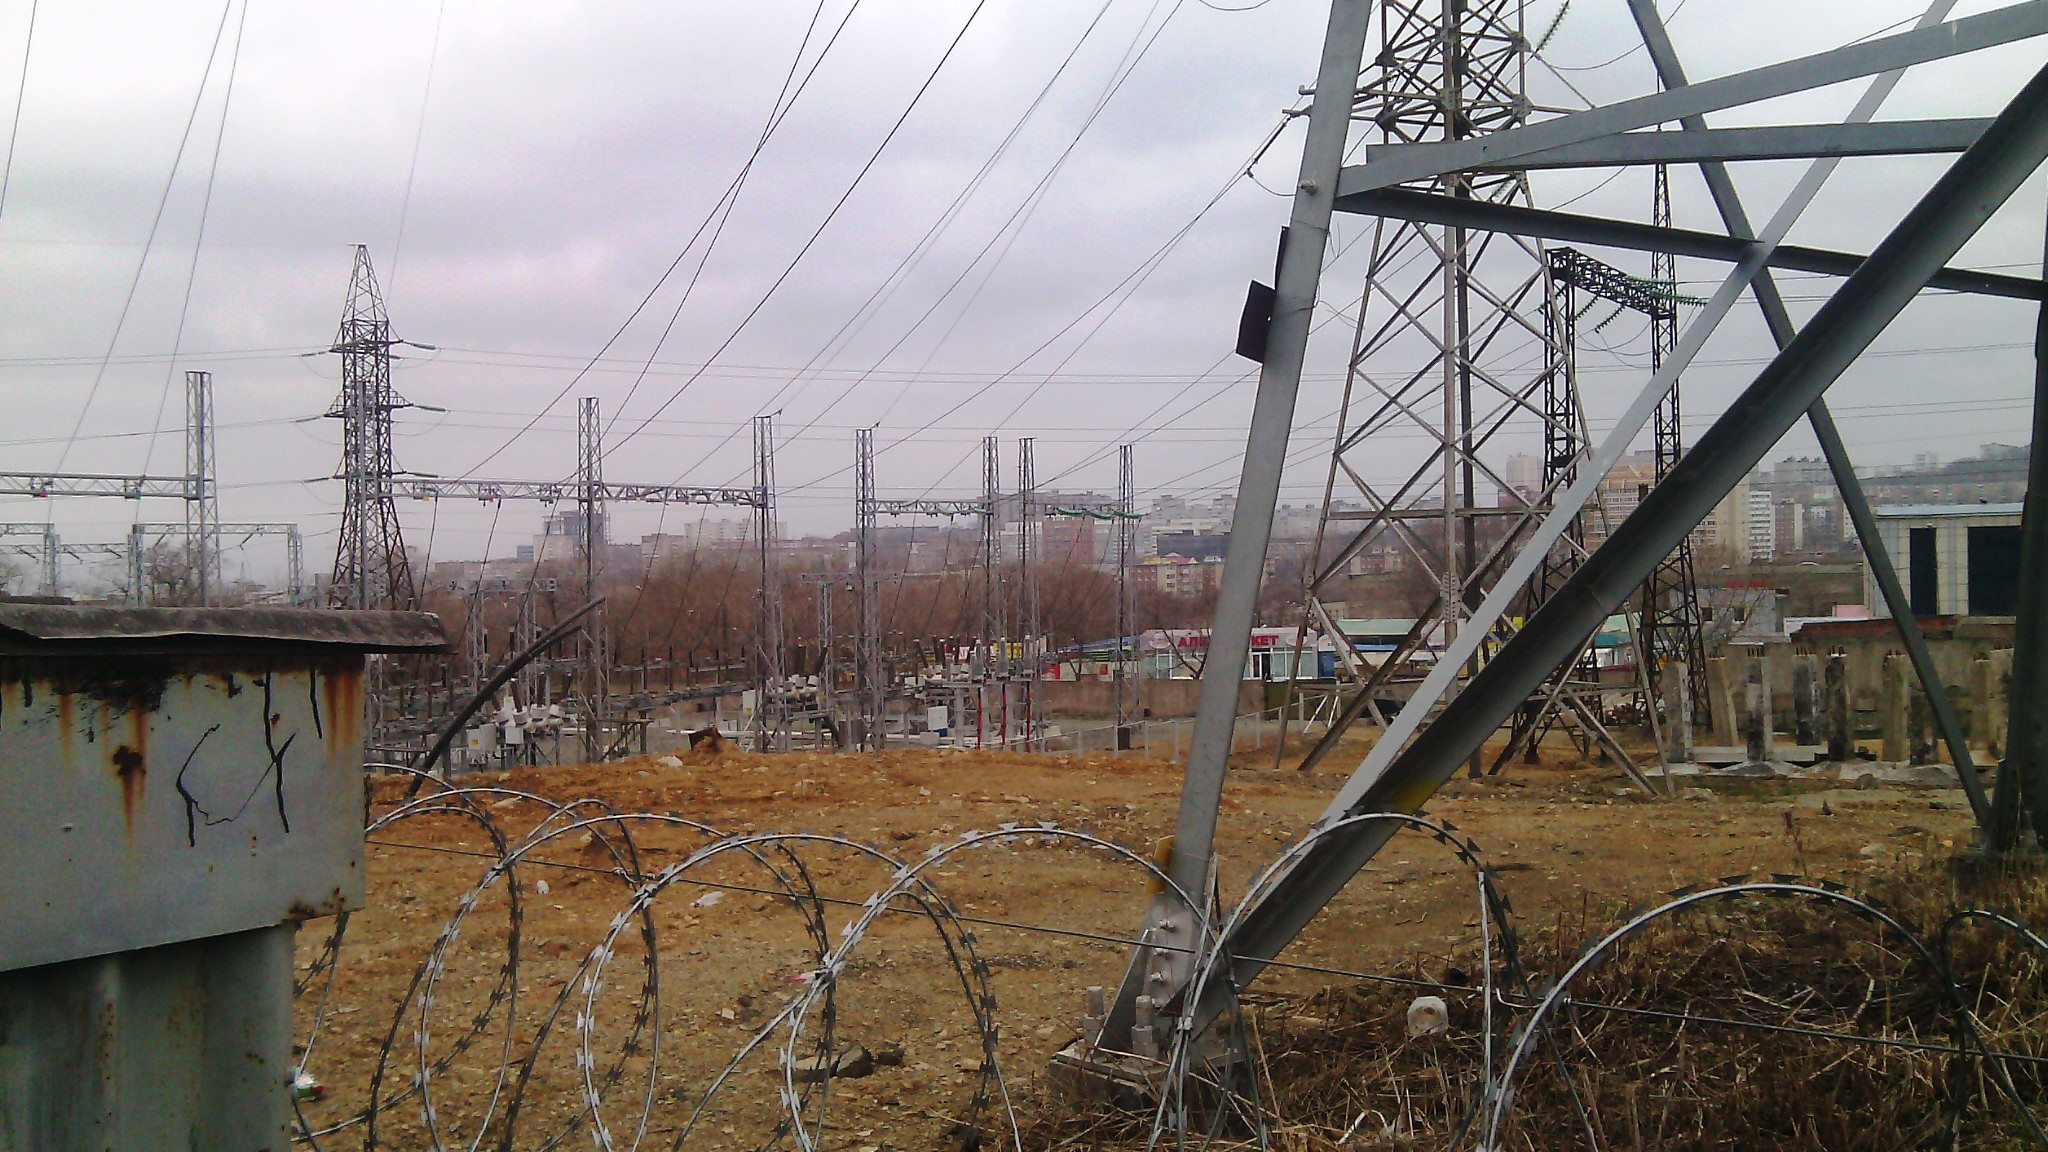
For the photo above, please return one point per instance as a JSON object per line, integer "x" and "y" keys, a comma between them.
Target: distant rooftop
{"x": 1924, "y": 511}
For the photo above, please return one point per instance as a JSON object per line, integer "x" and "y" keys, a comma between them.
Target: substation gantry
{"x": 198, "y": 537}
{"x": 372, "y": 570}
{"x": 592, "y": 494}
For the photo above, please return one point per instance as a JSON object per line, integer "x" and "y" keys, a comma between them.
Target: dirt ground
{"x": 555, "y": 985}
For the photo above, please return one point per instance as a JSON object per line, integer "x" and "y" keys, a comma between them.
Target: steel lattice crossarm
{"x": 46, "y": 484}
{"x": 930, "y": 507}
{"x": 1106, "y": 512}
{"x": 1604, "y": 280}
{"x": 434, "y": 488}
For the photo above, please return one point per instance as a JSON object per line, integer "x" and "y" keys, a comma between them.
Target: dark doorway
{"x": 1994, "y": 570}
{"x": 1923, "y": 572}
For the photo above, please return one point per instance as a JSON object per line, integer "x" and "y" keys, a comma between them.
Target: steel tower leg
{"x": 2020, "y": 796}
{"x": 1301, "y": 265}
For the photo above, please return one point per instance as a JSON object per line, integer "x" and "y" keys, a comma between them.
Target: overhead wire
{"x": 198, "y": 246}
{"x": 810, "y": 371}
{"x": 20, "y": 95}
{"x": 775, "y": 118}
{"x": 790, "y": 267}
{"x": 1117, "y": 83}
{"x": 1133, "y": 55}
{"x": 419, "y": 134}
{"x": 149, "y": 242}
{"x": 1029, "y": 209}
{"x": 869, "y": 308}
{"x": 1125, "y": 287}
{"x": 784, "y": 100}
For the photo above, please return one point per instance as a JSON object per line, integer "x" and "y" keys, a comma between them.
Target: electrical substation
{"x": 1579, "y": 778}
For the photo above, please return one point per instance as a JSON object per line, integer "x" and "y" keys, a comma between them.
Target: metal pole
{"x": 138, "y": 570}
{"x": 1028, "y": 521}
{"x": 771, "y": 707}
{"x": 1127, "y": 509}
{"x": 590, "y": 505}
{"x": 868, "y": 687}
{"x": 202, "y": 509}
{"x": 991, "y": 587}
{"x": 49, "y": 559}
{"x": 1301, "y": 265}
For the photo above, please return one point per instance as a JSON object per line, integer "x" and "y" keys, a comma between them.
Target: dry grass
{"x": 1691, "y": 1033}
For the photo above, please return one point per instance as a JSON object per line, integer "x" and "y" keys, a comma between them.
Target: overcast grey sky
{"x": 525, "y": 173}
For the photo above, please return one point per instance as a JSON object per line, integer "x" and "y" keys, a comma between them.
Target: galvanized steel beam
{"x": 1570, "y": 228}
{"x": 1889, "y": 54}
{"x": 1696, "y": 145}
{"x": 1295, "y": 288}
{"x": 44, "y": 484}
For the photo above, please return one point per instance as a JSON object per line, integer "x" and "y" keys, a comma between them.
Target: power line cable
{"x": 1133, "y": 54}
{"x": 731, "y": 201}
{"x": 783, "y": 277}
{"x": 419, "y": 133}
{"x": 20, "y": 94}
{"x": 198, "y": 244}
{"x": 776, "y": 115}
{"x": 900, "y": 275}
{"x": 1021, "y": 217}
{"x": 156, "y": 221}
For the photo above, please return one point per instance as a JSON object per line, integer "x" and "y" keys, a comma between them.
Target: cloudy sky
{"x": 943, "y": 218}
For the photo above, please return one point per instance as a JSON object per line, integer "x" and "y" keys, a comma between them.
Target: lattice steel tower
{"x": 771, "y": 707}
{"x": 202, "y": 462}
{"x": 370, "y": 566}
{"x": 1451, "y": 346}
{"x": 870, "y": 688}
{"x": 591, "y": 539}
{"x": 1672, "y": 627}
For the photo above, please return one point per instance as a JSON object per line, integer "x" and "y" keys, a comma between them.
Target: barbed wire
{"x": 467, "y": 1028}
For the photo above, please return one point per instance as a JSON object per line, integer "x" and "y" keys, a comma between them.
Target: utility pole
{"x": 371, "y": 569}
{"x": 202, "y": 512}
{"x": 771, "y": 707}
{"x": 1027, "y": 574}
{"x": 1128, "y": 680}
{"x": 590, "y": 507}
{"x": 1671, "y": 621}
{"x": 869, "y": 691}
{"x": 994, "y": 671}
